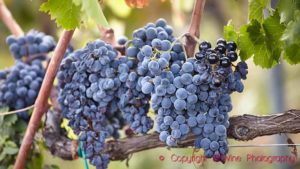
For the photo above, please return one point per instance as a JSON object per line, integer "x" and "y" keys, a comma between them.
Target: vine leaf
{"x": 66, "y": 13}
{"x": 10, "y": 119}
{"x": 262, "y": 41}
{"x": 287, "y": 9}
{"x": 137, "y": 3}
{"x": 92, "y": 10}
{"x": 4, "y": 109}
{"x": 291, "y": 40}
{"x": 229, "y": 32}
{"x": 256, "y": 8}
{"x": 10, "y": 148}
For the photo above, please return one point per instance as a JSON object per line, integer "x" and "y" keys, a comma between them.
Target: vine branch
{"x": 41, "y": 104}
{"x": 9, "y": 21}
{"x": 242, "y": 128}
{"x": 194, "y": 29}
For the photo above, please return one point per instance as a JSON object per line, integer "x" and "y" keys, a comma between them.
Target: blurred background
{"x": 266, "y": 91}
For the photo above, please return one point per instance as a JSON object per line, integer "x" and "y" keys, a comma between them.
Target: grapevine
{"x": 147, "y": 90}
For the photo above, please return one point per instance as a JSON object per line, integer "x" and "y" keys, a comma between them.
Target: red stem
{"x": 194, "y": 30}
{"x": 41, "y": 104}
{"x": 9, "y": 21}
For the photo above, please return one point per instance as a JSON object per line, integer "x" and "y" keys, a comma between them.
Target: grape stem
{"x": 9, "y": 21}
{"x": 17, "y": 111}
{"x": 41, "y": 104}
{"x": 242, "y": 128}
{"x": 194, "y": 29}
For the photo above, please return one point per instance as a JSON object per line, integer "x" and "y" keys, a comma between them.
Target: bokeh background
{"x": 266, "y": 91}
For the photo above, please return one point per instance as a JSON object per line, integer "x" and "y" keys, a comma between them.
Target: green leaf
{"x": 37, "y": 161}
{"x": 10, "y": 119}
{"x": 229, "y": 32}
{"x": 94, "y": 11}
{"x": 245, "y": 44}
{"x": 10, "y": 144}
{"x": 10, "y": 150}
{"x": 2, "y": 156}
{"x": 291, "y": 38}
{"x": 65, "y": 12}
{"x": 292, "y": 54}
{"x": 287, "y": 9}
{"x": 256, "y": 9}
{"x": 20, "y": 126}
{"x": 273, "y": 30}
{"x": 262, "y": 41}
{"x": 4, "y": 109}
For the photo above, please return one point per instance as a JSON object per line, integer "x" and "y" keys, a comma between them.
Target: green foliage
{"x": 256, "y": 8}
{"x": 8, "y": 148}
{"x": 12, "y": 130}
{"x": 229, "y": 32}
{"x": 291, "y": 38}
{"x": 93, "y": 10}
{"x": 66, "y": 13}
{"x": 69, "y": 14}
{"x": 267, "y": 39}
{"x": 287, "y": 9}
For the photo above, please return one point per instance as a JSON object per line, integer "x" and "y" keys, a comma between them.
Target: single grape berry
{"x": 216, "y": 82}
{"x": 221, "y": 41}
{"x": 213, "y": 58}
{"x": 225, "y": 62}
{"x": 232, "y": 56}
{"x": 210, "y": 51}
{"x": 199, "y": 55}
{"x": 204, "y": 45}
{"x": 231, "y": 46}
{"x": 221, "y": 48}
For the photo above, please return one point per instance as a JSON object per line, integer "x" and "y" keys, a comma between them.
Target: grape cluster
{"x": 89, "y": 87}
{"x": 134, "y": 101}
{"x": 193, "y": 96}
{"x": 223, "y": 81}
{"x": 33, "y": 43}
{"x": 19, "y": 86}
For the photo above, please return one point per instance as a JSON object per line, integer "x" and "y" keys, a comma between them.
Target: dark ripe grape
{"x": 221, "y": 48}
{"x": 204, "y": 45}
{"x": 221, "y": 41}
{"x": 232, "y": 56}
{"x": 217, "y": 157}
{"x": 225, "y": 62}
{"x": 216, "y": 82}
{"x": 231, "y": 46}
{"x": 209, "y": 51}
{"x": 199, "y": 55}
{"x": 213, "y": 58}
{"x": 129, "y": 132}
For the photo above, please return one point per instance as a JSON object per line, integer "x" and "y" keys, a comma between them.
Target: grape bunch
{"x": 198, "y": 99}
{"x": 134, "y": 102}
{"x": 193, "y": 96}
{"x": 32, "y": 43}
{"x": 89, "y": 85}
{"x": 19, "y": 86}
